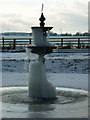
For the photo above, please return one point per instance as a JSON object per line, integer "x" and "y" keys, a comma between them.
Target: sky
{"x": 65, "y": 16}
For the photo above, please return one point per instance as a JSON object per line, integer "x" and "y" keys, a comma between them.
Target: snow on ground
{"x": 55, "y": 63}
{"x": 63, "y": 69}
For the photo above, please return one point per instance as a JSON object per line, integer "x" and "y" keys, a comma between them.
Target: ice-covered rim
{"x": 69, "y": 90}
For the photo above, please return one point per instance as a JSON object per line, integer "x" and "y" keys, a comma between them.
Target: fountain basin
{"x": 16, "y": 104}
{"x": 19, "y": 95}
{"x": 43, "y": 28}
{"x": 41, "y": 50}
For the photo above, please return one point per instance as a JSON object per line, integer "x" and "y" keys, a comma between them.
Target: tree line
{"x": 51, "y": 34}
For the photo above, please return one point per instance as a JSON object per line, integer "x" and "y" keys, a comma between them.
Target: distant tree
{"x": 77, "y": 34}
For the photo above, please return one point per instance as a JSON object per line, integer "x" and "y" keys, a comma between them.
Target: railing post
{"x": 29, "y": 41}
{"x": 3, "y": 42}
{"x": 78, "y": 42}
{"x": 61, "y": 42}
{"x": 14, "y": 43}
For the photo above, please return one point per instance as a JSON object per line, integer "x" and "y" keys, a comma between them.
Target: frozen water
{"x": 39, "y": 86}
{"x": 39, "y": 37}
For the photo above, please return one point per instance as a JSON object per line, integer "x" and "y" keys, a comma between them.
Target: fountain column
{"x": 39, "y": 86}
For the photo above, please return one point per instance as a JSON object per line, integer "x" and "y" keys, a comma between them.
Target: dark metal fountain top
{"x": 42, "y": 18}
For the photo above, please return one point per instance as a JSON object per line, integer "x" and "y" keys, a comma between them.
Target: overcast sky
{"x": 64, "y": 15}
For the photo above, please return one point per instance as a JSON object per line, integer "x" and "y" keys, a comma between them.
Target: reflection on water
{"x": 40, "y": 108}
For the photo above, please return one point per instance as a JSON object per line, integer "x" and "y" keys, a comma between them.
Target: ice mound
{"x": 39, "y": 86}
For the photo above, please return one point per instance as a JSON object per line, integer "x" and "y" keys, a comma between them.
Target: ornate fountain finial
{"x": 42, "y": 18}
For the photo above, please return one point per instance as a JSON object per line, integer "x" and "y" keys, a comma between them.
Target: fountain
{"x": 39, "y": 86}
{"x": 40, "y": 99}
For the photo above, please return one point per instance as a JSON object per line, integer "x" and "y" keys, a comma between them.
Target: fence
{"x": 61, "y": 42}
